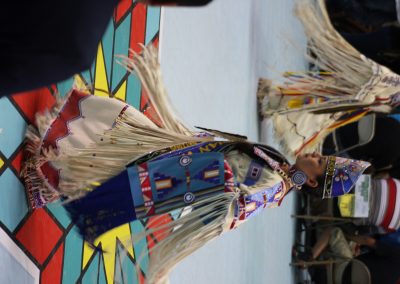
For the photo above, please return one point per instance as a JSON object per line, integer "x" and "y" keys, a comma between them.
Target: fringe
{"x": 183, "y": 236}
{"x": 146, "y": 66}
{"x": 340, "y": 87}
{"x": 132, "y": 136}
{"x": 346, "y": 71}
{"x": 126, "y": 141}
{"x": 333, "y": 53}
{"x": 38, "y": 190}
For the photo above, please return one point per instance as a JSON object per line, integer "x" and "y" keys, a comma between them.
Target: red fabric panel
{"x": 391, "y": 203}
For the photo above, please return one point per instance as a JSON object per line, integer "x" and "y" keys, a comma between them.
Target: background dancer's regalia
{"x": 310, "y": 105}
{"x": 111, "y": 165}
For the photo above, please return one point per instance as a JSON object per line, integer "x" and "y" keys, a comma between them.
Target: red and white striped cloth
{"x": 385, "y": 204}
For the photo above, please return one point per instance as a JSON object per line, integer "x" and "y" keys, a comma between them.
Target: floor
{"x": 212, "y": 58}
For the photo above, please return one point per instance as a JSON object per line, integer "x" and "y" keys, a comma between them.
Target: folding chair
{"x": 360, "y": 273}
{"x": 366, "y": 132}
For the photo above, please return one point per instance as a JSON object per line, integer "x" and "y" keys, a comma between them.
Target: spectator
{"x": 43, "y": 42}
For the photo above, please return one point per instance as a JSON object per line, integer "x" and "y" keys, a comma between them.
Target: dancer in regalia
{"x": 111, "y": 164}
{"x": 310, "y": 105}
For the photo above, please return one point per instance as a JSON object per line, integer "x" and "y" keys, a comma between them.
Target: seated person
{"x": 332, "y": 243}
{"x": 380, "y": 257}
{"x": 392, "y": 238}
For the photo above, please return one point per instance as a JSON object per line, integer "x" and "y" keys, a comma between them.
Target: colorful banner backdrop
{"x": 41, "y": 246}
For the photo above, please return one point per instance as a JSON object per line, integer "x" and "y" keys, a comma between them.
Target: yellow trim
{"x": 163, "y": 184}
{"x": 211, "y": 174}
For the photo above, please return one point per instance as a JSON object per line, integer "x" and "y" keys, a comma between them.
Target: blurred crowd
{"x": 363, "y": 250}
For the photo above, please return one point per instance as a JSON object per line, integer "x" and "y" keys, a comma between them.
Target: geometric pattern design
{"x": 42, "y": 246}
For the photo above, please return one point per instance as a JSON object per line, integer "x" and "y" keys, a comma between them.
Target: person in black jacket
{"x": 44, "y": 42}
{"x": 381, "y": 258}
